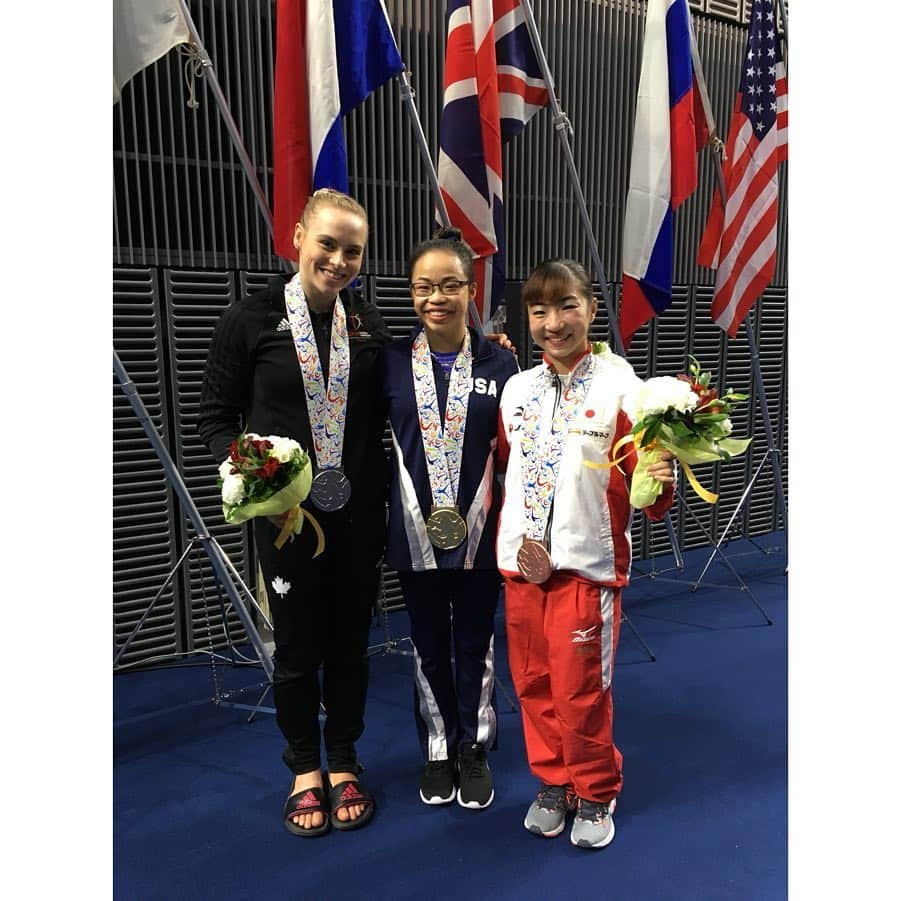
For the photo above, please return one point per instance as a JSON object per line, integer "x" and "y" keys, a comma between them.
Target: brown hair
{"x": 553, "y": 279}
{"x": 330, "y": 197}
{"x": 447, "y": 239}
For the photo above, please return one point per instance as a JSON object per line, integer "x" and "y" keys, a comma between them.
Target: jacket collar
{"x": 481, "y": 346}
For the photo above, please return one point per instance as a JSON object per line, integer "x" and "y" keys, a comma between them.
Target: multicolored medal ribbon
{"x": 326, "y": 405}
{"x": 541, "y": 462}
{"x": 443, "y": 447}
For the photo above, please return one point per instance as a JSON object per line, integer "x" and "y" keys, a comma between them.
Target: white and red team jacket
{"x": 591, "y": 524}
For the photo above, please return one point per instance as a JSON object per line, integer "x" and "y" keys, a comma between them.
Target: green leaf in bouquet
{"x": 645, "y": 423}
{"x": 680, "y": 429}
{"x": 734, "y": 446}
{"x": 695, "y": 451}
{"x": 694, "y": 366}
{"x": 651, "y": 432}
{"x": 705, "y": 379}
{"x": 280, "y": 502}
{"x": 706, "y": 418}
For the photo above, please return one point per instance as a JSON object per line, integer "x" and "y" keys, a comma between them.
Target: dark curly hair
{"x": 447, "y": 239}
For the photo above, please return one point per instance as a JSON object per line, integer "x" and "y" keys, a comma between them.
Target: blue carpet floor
{"x": 198, "y": 790}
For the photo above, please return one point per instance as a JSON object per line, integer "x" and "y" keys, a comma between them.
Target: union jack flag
{"x": 740, "y": 240}
{"x": 492, "y": 87}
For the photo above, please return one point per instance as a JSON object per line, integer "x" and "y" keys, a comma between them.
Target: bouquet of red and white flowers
{"x": 687, "y": 417}
{"x": 267, "y": 477}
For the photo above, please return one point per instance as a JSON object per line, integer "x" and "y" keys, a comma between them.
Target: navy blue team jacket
{"x": 410, "y": 496}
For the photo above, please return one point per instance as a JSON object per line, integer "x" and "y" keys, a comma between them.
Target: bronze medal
{"x": 446, "y": 528}
{"x": 330, "y": 490}
{"x": 534, "y": 561}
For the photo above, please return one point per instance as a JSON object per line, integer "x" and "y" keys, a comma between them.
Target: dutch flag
{"x": 330, "y": 56}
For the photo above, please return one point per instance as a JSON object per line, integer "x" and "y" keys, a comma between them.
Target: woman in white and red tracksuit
{"x": 563, "y": 625}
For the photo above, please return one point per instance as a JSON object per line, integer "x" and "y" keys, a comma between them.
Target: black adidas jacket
{"x": 253, "y": 381}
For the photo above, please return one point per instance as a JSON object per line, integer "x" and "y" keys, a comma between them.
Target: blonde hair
{"x": 330, "y": 197}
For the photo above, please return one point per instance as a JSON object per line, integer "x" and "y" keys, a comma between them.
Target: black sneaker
{"x": 476, "y": 788}
{"x": 436, "y": 784}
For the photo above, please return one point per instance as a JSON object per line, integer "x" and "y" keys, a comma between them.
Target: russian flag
{"x": 330, "y": 56}
{"x": 664, "y": 169}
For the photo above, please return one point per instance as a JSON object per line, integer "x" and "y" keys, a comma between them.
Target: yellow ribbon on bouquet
{"x": 293, "y": 525}
{"x": 699, "y": 489}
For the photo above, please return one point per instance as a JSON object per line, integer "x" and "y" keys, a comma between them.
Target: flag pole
{"x": 773, "y": 453}
{"x": 222, "y": 566}
{"x": 562, "y": 125}
{"x": 784, "y": 36}
{"x": 247, "y": 165}
{"x": 407, "y": 94}
{"x": 714, "y": 141}
{"x": 210, "y": 74}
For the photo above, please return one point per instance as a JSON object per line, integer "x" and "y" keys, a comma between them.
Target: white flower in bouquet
{"x": 282, "y": 448}
{"x": 663, "y": 393}
{"x": 232, "y": 489}
{"x": 225, "y": 468}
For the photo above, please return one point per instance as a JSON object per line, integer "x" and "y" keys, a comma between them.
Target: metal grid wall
{"x": 144, "y": 550}
{"x": 185, "y": 218}
{"x": 193, "y": 302}
{"x": 181, "y": 198}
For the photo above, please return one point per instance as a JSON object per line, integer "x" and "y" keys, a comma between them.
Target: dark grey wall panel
{"x": 194, "y": 302}
{"x": 181, "y": 198}
{"x": 143, "y": 546}
{"x": 185, "y": 217}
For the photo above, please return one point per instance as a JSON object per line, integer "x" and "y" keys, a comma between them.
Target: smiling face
{"x": 330, "y": 253}
{"x": 442, "y": 310}
{"x": 559, "y": 323}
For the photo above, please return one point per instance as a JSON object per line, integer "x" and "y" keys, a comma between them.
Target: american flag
{"x": 740, "y": 241}
{"x": 492, "y": 87}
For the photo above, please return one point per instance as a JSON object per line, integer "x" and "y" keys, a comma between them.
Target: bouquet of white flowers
{"x": 685, "y": 416}
{"x": 267, "y": 477}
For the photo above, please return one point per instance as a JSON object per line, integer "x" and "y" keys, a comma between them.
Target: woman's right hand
{"x": 280, "y": 520}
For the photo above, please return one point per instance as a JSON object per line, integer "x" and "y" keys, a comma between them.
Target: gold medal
{"x": 446, "y": 528}
{"x": 534, "y": 561}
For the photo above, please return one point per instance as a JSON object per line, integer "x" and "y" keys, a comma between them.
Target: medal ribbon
{"x": 542, "y": 452}
{"x": 326, "y": 406}
{"x": 443, "y": 447}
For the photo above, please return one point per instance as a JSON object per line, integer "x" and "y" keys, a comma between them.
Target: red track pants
{"x": 561, "y": 638}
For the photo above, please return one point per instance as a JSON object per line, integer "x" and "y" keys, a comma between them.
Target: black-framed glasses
{"x": 449, "y": 287}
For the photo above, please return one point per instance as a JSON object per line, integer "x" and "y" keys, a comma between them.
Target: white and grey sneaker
{"x": 593, "y": 824}
{"x": 547, "y": 815}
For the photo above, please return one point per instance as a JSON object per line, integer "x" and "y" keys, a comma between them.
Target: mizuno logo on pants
{"x": 582, "y": 635}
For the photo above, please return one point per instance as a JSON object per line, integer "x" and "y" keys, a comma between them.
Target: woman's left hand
{"x": 501, "y": 338}
{"x": 663, "y": 470}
